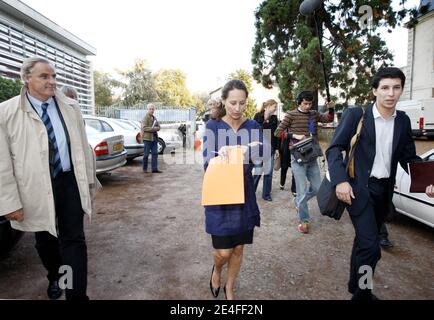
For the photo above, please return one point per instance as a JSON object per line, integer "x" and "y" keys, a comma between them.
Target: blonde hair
{"x": 70, "y": 92}
{"x": 268, "y": 103}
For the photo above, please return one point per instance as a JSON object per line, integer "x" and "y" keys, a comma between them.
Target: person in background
{"x": 44, "y": 136}
{"x": 297, "y": 125}
{"x": 268, "y": 121}
{"x": 285, "y": 164}
{"x": 70, "y": 92}
{"x": 150, "y": 127}
{"x": 231, "y": 226}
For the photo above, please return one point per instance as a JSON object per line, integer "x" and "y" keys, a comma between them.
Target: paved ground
{"x": 147, "y": 241}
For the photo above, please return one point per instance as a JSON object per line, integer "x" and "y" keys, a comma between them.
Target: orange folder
{"x": 223, "y": 182}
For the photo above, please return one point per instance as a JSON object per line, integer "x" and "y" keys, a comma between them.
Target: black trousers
{"x": 384, "y": 234}
{"x": 283, "y": 172}
{"x": 69, "y": 249}
{"x": 366, "y": 248}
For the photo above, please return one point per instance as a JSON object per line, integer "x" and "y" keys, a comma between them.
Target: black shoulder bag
{"x": 328, "y": 203}
{"x": 309, "y": 149}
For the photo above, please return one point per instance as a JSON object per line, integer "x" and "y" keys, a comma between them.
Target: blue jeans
{"x": 268, "y": 176}
{"x": 150, "y": 146}
{"x": 304, "y": 173}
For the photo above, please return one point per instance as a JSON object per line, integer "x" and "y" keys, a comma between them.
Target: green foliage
{"x": 103, "y": 87}
{"x": 171, "y": 88}
{"x": 247, "y": 79}
{"x": 286, "y": 50}
{"x": 138, "y": 85}
{"x": 9, "y": 88}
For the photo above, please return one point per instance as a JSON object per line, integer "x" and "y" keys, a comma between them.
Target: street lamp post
{"x": 307, "y": 8}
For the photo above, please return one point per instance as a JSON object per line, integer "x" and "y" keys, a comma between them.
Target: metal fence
{"x": 164, "y": 114}
{"x": 168, "y": 116}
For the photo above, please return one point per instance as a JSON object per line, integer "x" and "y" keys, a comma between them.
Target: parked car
{"x": 108, "y": 149}
{"x": 8, "y": 236}
{"x": 170, "y": 139}
{"x": 132, "y": 140}
{"x": 421, "y": 114}
{"x": 417, "y": 206}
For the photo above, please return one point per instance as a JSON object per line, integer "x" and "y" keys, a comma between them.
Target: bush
{"x": 9, "y": 88}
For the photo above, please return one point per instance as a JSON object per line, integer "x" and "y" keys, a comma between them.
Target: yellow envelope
{"x": 223, "y": 182}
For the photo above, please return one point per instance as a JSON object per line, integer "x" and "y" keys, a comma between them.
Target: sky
{"x": 206, "y": 39}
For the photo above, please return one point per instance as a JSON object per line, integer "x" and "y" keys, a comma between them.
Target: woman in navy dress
{"x": 231, "y": 226}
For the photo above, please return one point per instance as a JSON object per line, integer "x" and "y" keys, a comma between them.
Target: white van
{"x": 421, "y": 114}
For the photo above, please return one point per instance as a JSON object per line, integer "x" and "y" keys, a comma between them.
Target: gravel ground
{"x": 147, "y": 241}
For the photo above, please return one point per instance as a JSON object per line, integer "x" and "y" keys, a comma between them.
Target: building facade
{"x": 420, "y": 55}
{"x": 25, "y": 33}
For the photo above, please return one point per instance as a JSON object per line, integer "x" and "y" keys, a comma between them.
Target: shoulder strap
{"x": 311, "y": 125}
{"x": 354, "y": 140}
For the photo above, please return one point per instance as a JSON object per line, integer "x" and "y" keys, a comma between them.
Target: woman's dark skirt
{"x": 230, "y": 242}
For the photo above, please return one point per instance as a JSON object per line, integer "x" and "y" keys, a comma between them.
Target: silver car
{"x": 108, "y": 149}
{"x": 169, "y": 139}
{"x": 132, "y": 140}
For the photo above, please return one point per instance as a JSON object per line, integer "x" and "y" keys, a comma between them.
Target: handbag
{"x": 328, "y": 203}
{"x": 277, "y": 163}
{"x": 306, "y": 150}
{"x": 309, "y": 149}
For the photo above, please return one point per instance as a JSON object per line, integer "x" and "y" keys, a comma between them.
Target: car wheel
{"x": 161, "y": 146}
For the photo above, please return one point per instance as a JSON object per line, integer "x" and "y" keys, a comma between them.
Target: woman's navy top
{"x": 225, "y": 220}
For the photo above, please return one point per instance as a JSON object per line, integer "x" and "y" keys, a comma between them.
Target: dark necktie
{"x": 55, "y": 159}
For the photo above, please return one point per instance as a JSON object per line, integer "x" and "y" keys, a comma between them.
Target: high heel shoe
{"x": 214, "y": 291}
{"x": 224, "y": 290}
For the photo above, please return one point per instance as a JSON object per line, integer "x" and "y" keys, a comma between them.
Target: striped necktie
{"x": 55, "y": 158}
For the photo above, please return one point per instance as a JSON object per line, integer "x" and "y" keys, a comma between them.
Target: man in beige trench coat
{"x": 47, "y": 175}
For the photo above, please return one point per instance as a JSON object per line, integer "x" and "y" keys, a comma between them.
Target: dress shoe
{"x": 386, "y": 243}
{"x": 214, "y": 291}
{"x": 157, "y": 171}
{"x": 267, "y": 198}
{"x": 53, "y": 291}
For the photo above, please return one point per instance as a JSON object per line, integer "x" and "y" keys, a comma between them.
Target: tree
{"x": 138, "y": 86}
{"x": 247, "y": 79}
{"x": 171, "y": 88}
{"x": 103, "y": 87}
{"x": 9, "y": 88}
{"x": 286, "y": 50}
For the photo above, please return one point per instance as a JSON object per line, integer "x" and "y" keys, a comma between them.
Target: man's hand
{"x": 430, "y": 191}
{"x": 344, "y": 192}
{"x": 16, "y": 216}
{"x": 299, "y": 136}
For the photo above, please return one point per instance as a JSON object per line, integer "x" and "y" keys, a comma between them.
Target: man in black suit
{"x": 385, "y": 140}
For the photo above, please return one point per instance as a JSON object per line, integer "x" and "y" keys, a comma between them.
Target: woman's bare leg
{"x": 233, "y": 269}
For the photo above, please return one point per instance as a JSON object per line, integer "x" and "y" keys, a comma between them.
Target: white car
{"x": 169, "y": 139}
{"x": 108, "y": 149}
{"x": 132, "y": 140}
{"x": 415, "y": 205}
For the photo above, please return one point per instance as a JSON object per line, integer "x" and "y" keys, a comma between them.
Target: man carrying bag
{"x": 301, "y": 123}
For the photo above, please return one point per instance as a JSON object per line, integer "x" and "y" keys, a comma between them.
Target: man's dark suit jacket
{"x": 403, "y": 151}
